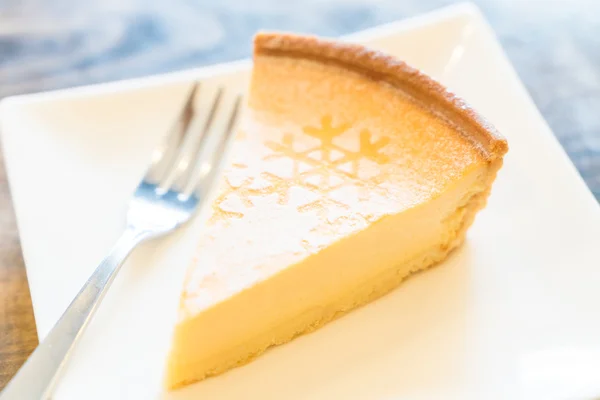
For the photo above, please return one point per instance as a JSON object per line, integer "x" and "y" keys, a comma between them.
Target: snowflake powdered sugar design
{"x": 321, "y": 169}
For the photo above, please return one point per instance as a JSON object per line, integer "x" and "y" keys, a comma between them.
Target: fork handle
{"x": 38, "y": 376}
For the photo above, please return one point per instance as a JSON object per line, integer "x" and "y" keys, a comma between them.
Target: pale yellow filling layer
{"x": 310, "y": 293}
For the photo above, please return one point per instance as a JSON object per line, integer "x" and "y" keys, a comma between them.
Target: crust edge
{"x": 379, "y": 66}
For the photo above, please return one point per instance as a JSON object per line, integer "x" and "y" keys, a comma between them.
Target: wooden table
{"x": 48, "y": 44}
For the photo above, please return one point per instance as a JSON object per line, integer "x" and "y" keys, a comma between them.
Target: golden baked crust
{"x": 382, "y": 67}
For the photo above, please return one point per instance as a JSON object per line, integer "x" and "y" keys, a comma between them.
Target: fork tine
{"x": 210, "y": 165}
{"x": 213, "y": 111}
{"x": 164, "y": 153}
{"x": 183, "y": 163}
{"x": 187, "y": 161}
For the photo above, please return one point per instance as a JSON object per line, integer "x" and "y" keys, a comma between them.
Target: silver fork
{"x": 181, "y": 173}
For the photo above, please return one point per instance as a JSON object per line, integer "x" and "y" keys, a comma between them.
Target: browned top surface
{"x": 384, "y": 68}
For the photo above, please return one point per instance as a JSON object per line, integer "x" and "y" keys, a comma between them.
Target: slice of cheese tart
{"x": 351, "y": 172}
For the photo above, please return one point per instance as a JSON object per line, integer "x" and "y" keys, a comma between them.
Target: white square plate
{"x": 515, "y": 313}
